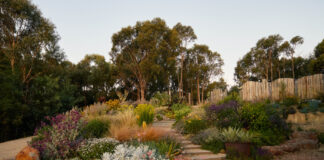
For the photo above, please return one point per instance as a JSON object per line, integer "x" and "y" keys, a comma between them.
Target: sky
{"x": 229, "y": 27}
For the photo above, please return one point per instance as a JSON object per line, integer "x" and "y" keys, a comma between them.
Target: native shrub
{"x": 224, "y": 115}
{"x": 193, "y": 126}
{"x": 95, "y": 128}
{"x": 144, "y": 113}
{"x": 209, "y": 139}
{"x": 95, "y": 148}
{"x": 61, "y": 138}
{"x": 183, "y": 112}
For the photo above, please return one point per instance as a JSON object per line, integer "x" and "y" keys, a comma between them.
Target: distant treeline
{"x": 36, "y": 80}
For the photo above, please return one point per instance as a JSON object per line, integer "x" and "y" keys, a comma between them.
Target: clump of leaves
{"x": 144, "y": 113}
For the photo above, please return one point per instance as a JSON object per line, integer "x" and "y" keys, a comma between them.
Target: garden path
{"x": 9, "y": 149}
{"x": 190, "y": 150}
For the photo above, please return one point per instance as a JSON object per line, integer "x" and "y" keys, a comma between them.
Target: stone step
{"x": 194, "y": 152}
{"x": 185, "y": 142}
{"x": 191, "y": 146}
{"x": 219, "y": 156}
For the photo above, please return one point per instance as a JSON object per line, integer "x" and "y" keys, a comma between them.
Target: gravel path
{"x": 9, "y": 149}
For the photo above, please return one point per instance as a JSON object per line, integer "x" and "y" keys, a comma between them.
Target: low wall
{"x": 307, "y": 121}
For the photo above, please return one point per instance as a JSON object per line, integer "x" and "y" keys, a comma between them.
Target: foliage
{"x": 124, "y": 151}
{"x": 61, "y": 138}
{"x": 266, "y": 121}
{"x": 159, "y": 117}
{"x": 193, "y": 126}
{"x": 289, "y": 101}
{"x": 123, "y": 125}
{"x": 209, "y": 139}
{"x": 166, "y": 146}
{"x": 224, "y": 115}
{"x": 310, "y": 106}
{"x": 181, "y": 113}
{"x": 95, "y": 148}
{"x": 122, "y": 97}
{"x": 178, "y": 106}
{"x": 95, "y": 128}
{"x": 237, "y": 135}
{"x": 96, "y": 109}
{"x": 149, "y": 134}
{"x": 144, "y": 113}
{"x": 113, "y": 104}
{"x": 319, "y": 49}
{"x": 160, "y": 99}
{"x": 321, "y": 138}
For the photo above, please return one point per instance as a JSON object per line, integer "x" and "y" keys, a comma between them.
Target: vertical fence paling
{"x": 305, "y": 88}
{"x": 217, "y": 94}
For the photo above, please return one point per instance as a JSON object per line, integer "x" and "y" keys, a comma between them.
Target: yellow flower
{"x": 144, "y": 125}
{"x": 137, "y": 116}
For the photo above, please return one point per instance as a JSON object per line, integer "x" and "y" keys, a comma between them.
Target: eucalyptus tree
{"x": 295, "y": 41}
{"x": 137, "y": 49}
{"x": 319, "y": 49}
{"x": 186, "y": 34}
{"x": 204, "y": 64}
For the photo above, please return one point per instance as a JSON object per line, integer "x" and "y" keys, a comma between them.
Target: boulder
{"x": 28, "y": 153}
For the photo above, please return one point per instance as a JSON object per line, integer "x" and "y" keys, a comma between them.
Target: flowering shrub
{"x": 224, "y": 115}
{"x": 61, "y": 138}
{"x": 113, "y": 104}
{"x": 95, "y": 148}
{"x": 124, "y": 151}
{"x": 144, "y": 112}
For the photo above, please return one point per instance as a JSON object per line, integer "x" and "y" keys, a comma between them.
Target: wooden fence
{"x": 216, "y": 95}
{"x": 305, "y": 88}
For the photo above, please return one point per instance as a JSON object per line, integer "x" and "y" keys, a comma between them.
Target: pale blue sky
{"x": 228, "y": 27}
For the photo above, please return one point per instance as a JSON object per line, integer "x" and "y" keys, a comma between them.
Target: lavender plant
{"x": 224, "y": 115}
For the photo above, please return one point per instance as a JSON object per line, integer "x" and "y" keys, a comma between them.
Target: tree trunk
{"x": 202, "y": 94}
{"x": 293, "y": 66}
{"x": 198, "y": 92}
{"x": 284, "y": 68}
{"x": 270, "y": 61}
{"x": 181, "y": 75}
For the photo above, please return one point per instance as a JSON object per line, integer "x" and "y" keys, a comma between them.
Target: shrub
{"x": 224, "y": 115}
{"x": 61, "y": 138}
{"x": 95, "y": 148}
{"x": 160, "y": 99}
{"x": 209, "y": 139}
{"x": 95, "y": 128}
{"x": 183, "y": 112}
{"x": 96, "y": 109}
{"x": 113, "y": 104}
{"x": 289, "y": 101}
{"x": 236, "y": 135}
{"x": 178, "y": 106}
{"x": 144, "y": 112}
{"x": 193, "y": 126}
{"x": 123, "y": 133}
{"x": 321, "y": 138}
{"x": 253, "y": 116}
{"x": 159, "y": 117}
{"x": 124, "y": 151}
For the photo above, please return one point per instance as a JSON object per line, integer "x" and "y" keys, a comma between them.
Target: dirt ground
{"x": 315, "y": 154}
{"x": 9, "y": 149}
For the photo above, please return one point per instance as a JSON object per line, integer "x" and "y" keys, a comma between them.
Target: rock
{"x": 274, "y": 150}
{"x": 28, "y": 153}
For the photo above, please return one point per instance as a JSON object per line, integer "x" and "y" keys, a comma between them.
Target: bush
{"x": 310, "y": 106}
{"x": 113, "y": 104}
{"x": 209, "y": 139}
{"x": 237, "y": 135}
{"x": 160, "y": 99}
{"x": 95, "y": 129}
{"x": 224, "y": 115}
{"x": 61, "y": 138}
{"x": 123, "y": 125}
{"x": 266, "y": 121}
{"x": 193, "y": 126}
{"x": 177, "y": 106}
{"x": 144, "y": 112}
{"x": 95, "y": 148}
{"x": 159, "y": 117}
{"x": 289, "y": 101}
{"x": 183, "y": 112}
{"x": 321, "y": 138}
{"x": 149, "y": 134}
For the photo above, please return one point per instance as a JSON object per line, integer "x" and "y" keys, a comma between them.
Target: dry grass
{"x": 123, "y": 125}
{"x": 96, "y": 109}
{"x": 151, "y": 134}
